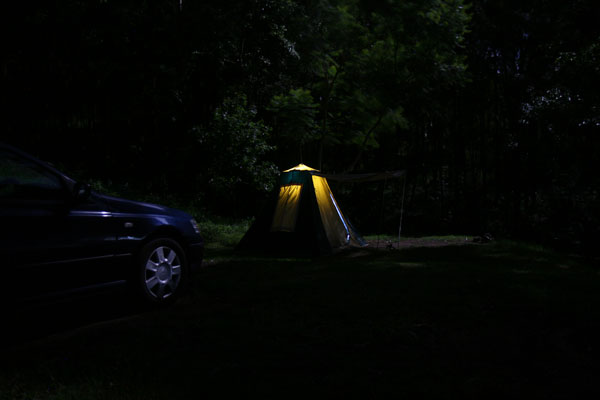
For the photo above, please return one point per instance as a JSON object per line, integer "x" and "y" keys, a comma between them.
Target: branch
{"x": 364, "y": 143}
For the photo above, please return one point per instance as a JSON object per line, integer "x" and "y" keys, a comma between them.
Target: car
{"x": 58, "y": 237}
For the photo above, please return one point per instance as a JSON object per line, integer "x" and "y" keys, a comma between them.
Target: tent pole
{"x": 401, "y": 210}
{"x": 381, "y": 213}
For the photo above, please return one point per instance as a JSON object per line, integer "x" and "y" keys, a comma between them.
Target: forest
{"x": 491, "y": 107}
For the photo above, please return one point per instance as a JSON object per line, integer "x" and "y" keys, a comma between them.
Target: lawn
{"x": 456, "y": 320}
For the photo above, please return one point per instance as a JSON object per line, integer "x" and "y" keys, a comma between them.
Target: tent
{"x": 303, "y": 218}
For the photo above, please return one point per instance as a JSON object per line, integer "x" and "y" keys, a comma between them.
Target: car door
{"x": 50, "y": 243}
{"x": 89, "y": 244}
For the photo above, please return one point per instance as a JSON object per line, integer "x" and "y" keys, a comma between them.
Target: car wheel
{"x": 163, "y": 271}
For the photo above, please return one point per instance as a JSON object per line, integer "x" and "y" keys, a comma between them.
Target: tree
{"x": 369, "y": 61}
{"x": 230, "y": 157}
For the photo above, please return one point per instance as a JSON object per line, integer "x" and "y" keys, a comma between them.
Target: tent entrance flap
{"x": 336, "y": 228}
{"x": 286, "y": 210}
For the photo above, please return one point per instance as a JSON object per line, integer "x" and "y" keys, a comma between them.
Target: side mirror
{"x": 81, "y": 191}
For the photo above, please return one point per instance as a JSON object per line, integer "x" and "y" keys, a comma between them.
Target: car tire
{"x": 162, "y": 272}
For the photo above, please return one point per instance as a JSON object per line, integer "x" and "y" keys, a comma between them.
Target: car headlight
{"x": 195, "y": 225}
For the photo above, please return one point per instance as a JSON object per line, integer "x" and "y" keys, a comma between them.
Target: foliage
{"x": 231, "y": 151}
{"x": 223, "y": 233}
{"x": 364, "y": 64}
{"x": 492, "y": 106}
{"x": 295, "y": 116}
{"x": 524, "y": 159}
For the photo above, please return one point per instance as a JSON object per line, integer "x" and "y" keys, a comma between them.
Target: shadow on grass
{"x": 26, "y": 323}
{"x": 469, "y": 321}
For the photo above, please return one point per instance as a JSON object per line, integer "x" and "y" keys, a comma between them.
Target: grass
{"x": 497, "y": 320}
{"x": 223, "y": 234}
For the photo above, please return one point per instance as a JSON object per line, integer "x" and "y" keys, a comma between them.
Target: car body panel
{"x": 64, "y": 243}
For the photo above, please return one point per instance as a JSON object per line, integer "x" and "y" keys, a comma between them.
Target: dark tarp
{"x": 368, "y": 177}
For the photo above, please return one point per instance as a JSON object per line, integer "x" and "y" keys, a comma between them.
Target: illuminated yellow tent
{"x": 304, "y": 218}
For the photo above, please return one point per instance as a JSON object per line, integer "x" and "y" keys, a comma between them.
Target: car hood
{"x": 120, "y": 205}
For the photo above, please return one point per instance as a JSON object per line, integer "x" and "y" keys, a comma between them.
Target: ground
{"x": 464, "y": 320}
{"x": 387, "y": 242}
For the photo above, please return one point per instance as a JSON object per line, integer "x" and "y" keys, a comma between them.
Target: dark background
{"x": 491, "y": 106}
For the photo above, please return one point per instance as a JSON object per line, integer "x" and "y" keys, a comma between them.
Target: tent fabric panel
{"x": 286, "y": 210}
{"x": 300, "y": 167}
{"x": 336, "y": 229}
{"x": 356, "y": 240}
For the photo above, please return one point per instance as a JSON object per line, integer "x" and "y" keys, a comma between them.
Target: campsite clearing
{"x": 471, "y": 321}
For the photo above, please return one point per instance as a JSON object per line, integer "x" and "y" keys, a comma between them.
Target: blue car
{"x": 59, "y": 237}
